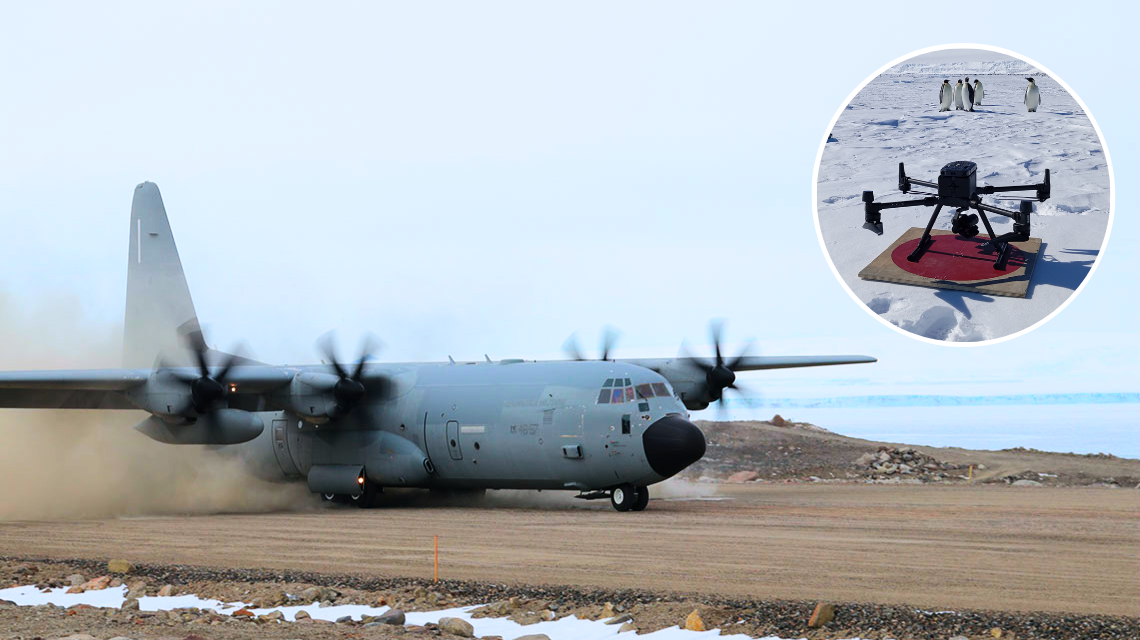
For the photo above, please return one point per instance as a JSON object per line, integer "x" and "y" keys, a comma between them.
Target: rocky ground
{"x": 782, "y": 450}
{"x": 634, "y": 610}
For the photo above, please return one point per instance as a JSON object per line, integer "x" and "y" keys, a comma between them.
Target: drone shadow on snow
{"x": 1063, "y": 274}
{"x": 957, "y": 300}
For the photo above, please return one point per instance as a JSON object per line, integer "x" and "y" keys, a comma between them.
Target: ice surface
{"x": 568, "y": 628}
{"x": 895, "y": 119}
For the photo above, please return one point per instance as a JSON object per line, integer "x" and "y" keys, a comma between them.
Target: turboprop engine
{"x": 189, "y": 407}
{"x": 222, "y": 426}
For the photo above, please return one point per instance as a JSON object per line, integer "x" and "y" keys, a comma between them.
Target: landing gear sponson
{"x": 957, "y": 187}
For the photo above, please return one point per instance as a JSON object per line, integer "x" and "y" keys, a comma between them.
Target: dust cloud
{"x": 70, "y": 464}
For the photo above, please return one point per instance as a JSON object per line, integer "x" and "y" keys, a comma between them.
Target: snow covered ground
{"x": 568, "y": 628}
{"x": 895, "y": 119}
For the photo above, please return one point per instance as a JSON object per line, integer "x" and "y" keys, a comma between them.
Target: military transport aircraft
{"x": 607, "y": 428}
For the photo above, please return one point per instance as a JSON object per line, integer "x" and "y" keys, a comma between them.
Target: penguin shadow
{"x": 1064, "y": 274}
{"x": 957, "y": 299}
{"x": 945, "y": 117}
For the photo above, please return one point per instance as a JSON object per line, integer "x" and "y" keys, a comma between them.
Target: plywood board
{"x": 955, "y": 263}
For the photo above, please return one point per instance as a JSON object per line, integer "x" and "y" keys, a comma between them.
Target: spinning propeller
{"x": 348, "y": 390}
{"x": 207, "y": 388}
{"x": 609, "y": 339}
{"x": 720, "y": 374}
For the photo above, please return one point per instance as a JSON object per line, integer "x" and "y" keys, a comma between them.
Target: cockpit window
{"x": 618, "y": 396}
{"x": 609, "y": 382}
{"x": 644, "y": 391}
{"x": 604, "y": 397}
{"x": 660, "y": 390}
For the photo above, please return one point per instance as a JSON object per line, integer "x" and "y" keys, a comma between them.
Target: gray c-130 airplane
{"x": 607, "y": 428}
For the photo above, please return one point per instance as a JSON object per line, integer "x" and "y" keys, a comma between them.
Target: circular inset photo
{"x": 963, "y": 195}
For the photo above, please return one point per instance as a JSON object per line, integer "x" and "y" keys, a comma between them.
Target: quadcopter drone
{"x": 957, "y": 187}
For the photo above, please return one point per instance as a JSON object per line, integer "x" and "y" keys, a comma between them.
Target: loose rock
{"x": 824, "y": 613}
{"x": 457, "y": 627}
{"x": 120, "y": 566}
{"x": 393, "y": 616}
{"x": 694, "y": 623}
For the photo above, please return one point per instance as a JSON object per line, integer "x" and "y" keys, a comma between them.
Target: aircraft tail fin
{"x": 160, "y": 314}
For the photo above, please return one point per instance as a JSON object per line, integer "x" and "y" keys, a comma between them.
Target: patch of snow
{"x": 568, "y": 628}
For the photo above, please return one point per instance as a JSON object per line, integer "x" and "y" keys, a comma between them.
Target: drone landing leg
{"x": 926, "y": 240}
{"x": 1003, "y": 248}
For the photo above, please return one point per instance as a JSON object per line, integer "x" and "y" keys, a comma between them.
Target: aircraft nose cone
{"x": 671, "y": 444}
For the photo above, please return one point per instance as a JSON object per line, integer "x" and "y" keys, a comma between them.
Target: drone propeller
{"x": 720, "y": 374}
{"x": 609, "y": 339}
{"x": 348, "y": 390}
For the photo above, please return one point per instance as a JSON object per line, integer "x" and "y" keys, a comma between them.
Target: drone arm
{"x": 906, "y": 182}
{"x": 1044, "y": 189}
{"x": 873, "y": 220}
{"x": 1001, "y": 212}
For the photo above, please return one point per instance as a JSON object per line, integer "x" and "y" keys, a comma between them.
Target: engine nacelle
{"x": 223, "y": 426}
{"x": 311, "y": 396}
{"x": 163, "y": 395}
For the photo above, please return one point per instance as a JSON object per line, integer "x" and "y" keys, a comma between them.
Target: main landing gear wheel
{"x": 623, "y": 497}
{"x": 334, "y": 498}
{"x": 642, "y": 500}
{"x": 368, "y": 497}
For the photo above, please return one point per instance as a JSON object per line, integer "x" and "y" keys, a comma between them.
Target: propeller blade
{"x": 716, "y": 328}
{"x": 231, "y": 359}
{"x": 326, "y": 345}
{"x": 571, "y": 349}
{"x": 744, "y": 353}
{"x": 609, "y": 339}
{"x": 689, "y": 359}
{"x": 200, "y": 358}
{"x": 369, "y": 344}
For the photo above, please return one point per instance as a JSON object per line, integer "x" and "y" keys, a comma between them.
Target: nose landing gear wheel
{"x": 642, "y": 500}
{"x": 623, "y": 497}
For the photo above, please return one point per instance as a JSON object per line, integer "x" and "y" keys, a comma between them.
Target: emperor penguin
{"x": 945, "y": 96}
{"x": 968, "y": 95}
{"x": 1032, "y": 96}
{"x": 979, "y": 93}
{"x": 959, "y": 100}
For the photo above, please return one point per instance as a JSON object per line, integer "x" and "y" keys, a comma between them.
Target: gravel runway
{"x": 970, "y": 547}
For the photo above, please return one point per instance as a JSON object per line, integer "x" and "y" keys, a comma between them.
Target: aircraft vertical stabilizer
{"x": 159, "y": 308}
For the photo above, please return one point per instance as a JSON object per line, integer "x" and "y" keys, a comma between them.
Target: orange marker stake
{"x": 435, "y": 576}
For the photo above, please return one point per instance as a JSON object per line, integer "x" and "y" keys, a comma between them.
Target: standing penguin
{"x": 979, "y": 93}
{"x": 968, "y": 95}
{"x": 958, "y": 99}
{"x": 1032, "y": 96}
{"x": 945, "y": 96}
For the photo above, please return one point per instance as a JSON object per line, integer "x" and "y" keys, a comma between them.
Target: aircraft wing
{"x": 754, "y": 363}
{"x": 104, "y": 388}
{"x": 696, "y": 389}
{"x": 91, "y": 389}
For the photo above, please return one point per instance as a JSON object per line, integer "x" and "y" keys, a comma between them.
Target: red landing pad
{"x": 951, "y": 257}
{"x": 955, "y": 263}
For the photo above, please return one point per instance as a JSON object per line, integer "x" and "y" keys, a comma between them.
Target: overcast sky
{"x": 469, "y": 178}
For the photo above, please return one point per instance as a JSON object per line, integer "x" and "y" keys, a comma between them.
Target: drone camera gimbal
{"x": 957, "y": 187}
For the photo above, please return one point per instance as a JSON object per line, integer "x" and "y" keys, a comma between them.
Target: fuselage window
{"x": 659, "y": 390}
{"x": 625, "y": 424}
